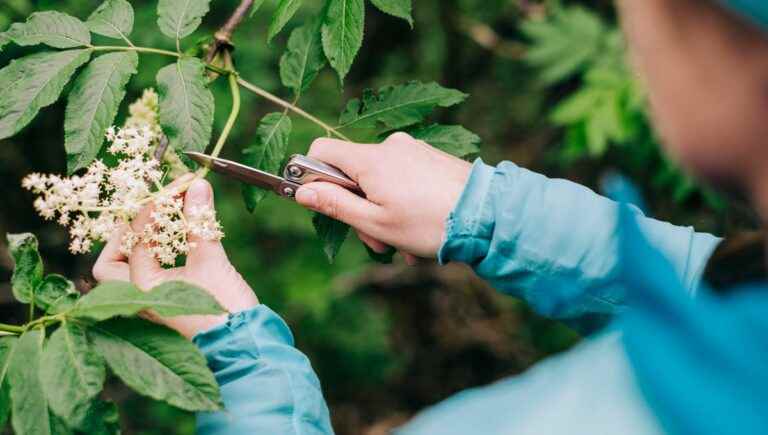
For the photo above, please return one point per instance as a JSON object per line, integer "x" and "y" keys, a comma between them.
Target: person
{"x": 675, "y": 359}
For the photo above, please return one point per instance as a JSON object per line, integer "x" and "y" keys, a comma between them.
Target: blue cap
{"x": 755, "y": 10}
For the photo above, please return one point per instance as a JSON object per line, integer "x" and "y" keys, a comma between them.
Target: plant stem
{"x": 223, "y": 37}
{"x": 293, "y": 108}
{"x": 156, "y": 51}
{"x": 11, "y": 328}
{"x": 235, "y": 89}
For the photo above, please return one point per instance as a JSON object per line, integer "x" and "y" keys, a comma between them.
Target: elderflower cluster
{"x": 94, "y": 205}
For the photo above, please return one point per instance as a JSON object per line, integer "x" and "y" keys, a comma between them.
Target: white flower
{"x": 97, "y": 203}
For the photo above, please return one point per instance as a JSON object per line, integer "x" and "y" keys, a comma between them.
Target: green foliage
{"x": 113, "y": 19}
{"x": 332, "y": 234}
{"x": 158, "y": 363}
{"x": 177, "y": 19}
{"x": 186, "y": 105}
{"x": 52, "y": 386}
{"x": 28, "y": 273}
{"x": 343, "y": 33}
{"x": 93, "y": 105}
{"x": 397, "y": 8}
{"x": 453, "y": 139}
{"x": 34, "y": 82}
{"x": 51, "y": 28}
{"x": 395, "y": 107}
{"x": 286, "y": 9}
{"x": 303, "y": 59}
{"x": 268, "y": 152}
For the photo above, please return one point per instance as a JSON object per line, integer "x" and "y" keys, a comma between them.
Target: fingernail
{"x": 199, "y": 192}
{"x": 306, "y": 197}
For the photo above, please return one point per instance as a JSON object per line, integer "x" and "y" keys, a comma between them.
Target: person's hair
{"x": 739, "y": 259}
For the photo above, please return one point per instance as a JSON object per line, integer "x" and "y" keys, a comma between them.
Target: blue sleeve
{"x": 268, "y": 386}
{"x": 554, "y": 243}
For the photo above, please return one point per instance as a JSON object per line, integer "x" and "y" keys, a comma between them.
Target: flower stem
{"x": 11, "y": 328}
{"x": 235, "y": 89}
{"x": 292, "y": 107}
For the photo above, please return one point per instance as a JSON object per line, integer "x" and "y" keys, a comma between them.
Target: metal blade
{"x": 238, "y": 171}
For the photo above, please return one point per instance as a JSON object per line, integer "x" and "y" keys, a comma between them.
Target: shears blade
{"x": 238, "y": 171}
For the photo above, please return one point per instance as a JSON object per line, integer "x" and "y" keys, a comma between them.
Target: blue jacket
{"x": 668, "y": 362}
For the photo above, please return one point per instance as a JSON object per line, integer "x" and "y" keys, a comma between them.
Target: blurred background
{"x": 550, "y": 90}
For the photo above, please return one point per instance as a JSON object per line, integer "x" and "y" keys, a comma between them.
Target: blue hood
{"x": 756, "y": 10}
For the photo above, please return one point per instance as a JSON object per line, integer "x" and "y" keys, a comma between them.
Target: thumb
{"x": 339, "y": 203}
{"x": 197, "y": 200}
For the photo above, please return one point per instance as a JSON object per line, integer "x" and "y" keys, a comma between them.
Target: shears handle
{"x": 304, "y": 170}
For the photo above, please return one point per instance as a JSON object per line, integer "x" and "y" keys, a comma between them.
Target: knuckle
{"x": 399, "y": 138}
{"x": 330, "y": 206}
{"x": 98, "y": 271}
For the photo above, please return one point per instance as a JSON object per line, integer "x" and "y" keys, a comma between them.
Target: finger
{"x": 348, "y": 156}
{"x": 375, "y": 245}
{"x": 410, "y": 260}
{"x": 339, "y": 203}
{"x": 143, "y": 264}
{"x": 112, "y": 264}
{"x": 200, "y": 197}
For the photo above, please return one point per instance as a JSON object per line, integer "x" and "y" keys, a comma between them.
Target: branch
{"x": 223, "y": 37}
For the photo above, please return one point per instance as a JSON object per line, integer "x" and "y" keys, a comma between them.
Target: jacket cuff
{"x": 244, "y": 332}
{"x": 469, "y": 227}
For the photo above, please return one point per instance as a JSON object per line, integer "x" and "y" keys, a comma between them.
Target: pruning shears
{"x": 298, "y": 171}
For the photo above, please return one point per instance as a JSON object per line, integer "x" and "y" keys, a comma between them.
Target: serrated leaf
{"x": 267, "y": 153}
{"x": 110, "y": 299}
{"x": 29, "y": 406}
{"x": 342, "y": 33}
{"x": 72, "y": 373}
{"x": 53, "y": 291}
{"x": 93, "y": 105}
{"x": 177, "y": 298}
{"x": 157, "y": 362}
{"x": 34, "y": 82}
{"x": 566, "y": 43}
{"x": 179, "y": 18}
{"x": 117, "y": 298}
{"x": 400, "y": 106}
{"x": 113, "y": 19}
{"x": 398, "y": 8}
{"x": 332, "y": 234}
{"x": 186, "y": 105}
{"x": 286, "y": 9}
{"x": 453, "y": 139}
{"x": 303, "y": 58}
{"x": 7, "y": 346}
{"x": 28, "y": 269}
{"x": 51, "y": 28}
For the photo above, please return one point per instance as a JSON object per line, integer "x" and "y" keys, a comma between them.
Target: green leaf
{"x": 303, "y": 59}
{"x": 453, "y": 139}
{"x": 34, "y": 82}
{"x": 110, "y": 299}
{"x": 157, "y": 362}
{"x": 93, "y": 105}
{"x": 51, "y": 28}
{"x": 186, "y": 105}
{"x": 102, "y": 418}
{"x": 400, "y": 106}
{"x": 29, "y": 406}
{"x": 54, "y": 292}
{"x": 177, "y": 298}
{"x": 332, "y": 234}
{"x": 114, "y": 19}
{"x": 72, "y": 373}
{"x": 342, "y": 31}
{"x": 255, "y": 7}
{"x": 179, "y": 18}
{"x": 28, "y": 270}
{"x": 7, "y": 346}
{"x": 118, "y": 298}
{"x": 565, "y": 44}
{"x": 267, "y": 153}
{"x": 397, "y": 8}
{"x": 286, "y": 9}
